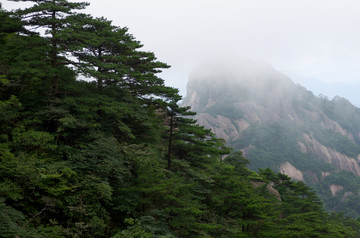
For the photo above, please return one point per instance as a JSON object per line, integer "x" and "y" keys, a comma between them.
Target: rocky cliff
{"x": 280, "y": 125}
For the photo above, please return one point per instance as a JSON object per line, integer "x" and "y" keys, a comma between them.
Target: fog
{"x": 317, "y": 39}
{"x": 233, "y": 72}
{"x": 239, "y": 77}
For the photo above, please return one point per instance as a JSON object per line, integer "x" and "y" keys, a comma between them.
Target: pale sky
{"x": 314, "y": 38}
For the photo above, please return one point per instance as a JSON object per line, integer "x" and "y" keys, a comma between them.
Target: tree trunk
{"x": 170, "y": 141}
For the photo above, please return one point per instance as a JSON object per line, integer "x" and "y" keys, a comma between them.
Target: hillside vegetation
{"x": 116, "y": 156}
{"x": 280, "y": 125}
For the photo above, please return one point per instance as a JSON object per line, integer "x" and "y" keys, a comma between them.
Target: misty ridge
{"x": 281, "y": 125}
{"x": 348, "y": 90}
{"x": 232, "y": 74}
{"x": 240, "y": 79}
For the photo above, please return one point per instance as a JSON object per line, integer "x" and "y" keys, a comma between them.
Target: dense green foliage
{"x": 117, "y": 156}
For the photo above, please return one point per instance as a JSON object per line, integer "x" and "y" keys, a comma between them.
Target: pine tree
{"x": 53, "y": 17}
{"x": 113, "y": 57}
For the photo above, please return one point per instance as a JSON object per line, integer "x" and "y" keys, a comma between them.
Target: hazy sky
{"x": 314, "y": 38}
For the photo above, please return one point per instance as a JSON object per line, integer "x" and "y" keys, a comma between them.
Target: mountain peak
{"x": 279, "y": 124}
{"x": 236, "y": 80}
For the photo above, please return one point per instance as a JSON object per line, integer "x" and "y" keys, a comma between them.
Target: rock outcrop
{"x": 335, "y": 189}
{"x": 269, "y": 188}
{"x": 332, "y": 156}
{"x": 291, "y": 171}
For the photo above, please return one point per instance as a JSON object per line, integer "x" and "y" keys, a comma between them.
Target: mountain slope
{"x": 281, "y": 125}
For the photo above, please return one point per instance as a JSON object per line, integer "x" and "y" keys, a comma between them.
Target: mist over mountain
{"x": 281, "y": 125}
{"x": 348, "y": 90}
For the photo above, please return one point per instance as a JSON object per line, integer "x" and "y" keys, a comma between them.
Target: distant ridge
{"x": 348, "y": 90}
{"x": 282, "y": 125}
